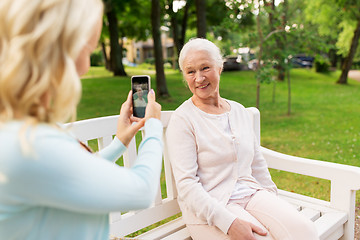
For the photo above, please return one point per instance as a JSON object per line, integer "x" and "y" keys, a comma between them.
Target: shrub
{"x": 97, "y": 59}
{"x": 322, "y": 65}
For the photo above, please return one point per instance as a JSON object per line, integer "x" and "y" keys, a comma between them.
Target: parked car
{"x": 252, "y": 64}
{"x": 232, "y": 63}
{"x": 302, "y": 61}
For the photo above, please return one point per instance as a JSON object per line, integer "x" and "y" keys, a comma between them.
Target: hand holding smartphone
{"x": 140, "y": 85}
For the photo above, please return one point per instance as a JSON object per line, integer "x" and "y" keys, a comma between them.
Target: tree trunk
{"x": 279, "y": 44}
{"x": 178, "y": 27}
{"x": 184, "y": 23}
{"x": 284, "y": 21}
{"x": 274, "y": 92}
{"x": 259, "y": 58}
{"x": 115, "y": 49}
{"x": 201, "y": 18}
{"x": 161, "y": 87}
{"x": 289, "y": 90}
{"x": 179, "y": 33}
{"x": 333, "y": 57}
{"x": 345, "y": 68}
{"x": 175, "y": 28}
{"x": 106, "y": 59}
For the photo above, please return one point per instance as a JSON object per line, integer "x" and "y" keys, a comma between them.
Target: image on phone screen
{"x": 140, "y": 89}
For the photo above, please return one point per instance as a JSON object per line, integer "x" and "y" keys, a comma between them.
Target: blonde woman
{"x": 50, "y": 186}
{"x": 225, "y": 188}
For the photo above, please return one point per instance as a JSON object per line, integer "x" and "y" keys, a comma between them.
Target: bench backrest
{"x": 165, "y": 205}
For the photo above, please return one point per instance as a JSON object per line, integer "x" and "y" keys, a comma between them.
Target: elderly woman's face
{"x": 201, "y": 74}
{"x": 139, "y": 92}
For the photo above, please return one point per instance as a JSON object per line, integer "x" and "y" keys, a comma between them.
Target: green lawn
{"x": 324, "y": 123}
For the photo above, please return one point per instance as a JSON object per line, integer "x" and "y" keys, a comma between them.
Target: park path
{"x": 354, "y": 74}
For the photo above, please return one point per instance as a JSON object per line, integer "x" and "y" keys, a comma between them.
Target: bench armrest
{"x": 348, "y": 175}
{"x": 345, "y": 180}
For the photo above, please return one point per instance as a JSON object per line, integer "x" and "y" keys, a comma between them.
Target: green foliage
{"x": 133, "y": 16}
{"x": 216, "y": 12}
{"x": 150, "y": 61}
{"x": 344, "y": 38}
{"x": 349, "y": 7}
{"x": 231, "y": 21}
{"x": 228, "y": 24}
{"x": 322, "y": 64}
{"x": 266, "y": 73}
{"x": 325, "y": 15}
{"x": 190, "y": 33}
{"x": 97, "y": 58}
{"x": 335, "y": 21}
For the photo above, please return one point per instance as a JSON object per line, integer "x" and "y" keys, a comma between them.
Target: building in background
{"x": 137, "y": 52}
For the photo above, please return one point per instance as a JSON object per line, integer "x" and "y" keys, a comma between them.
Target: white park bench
{"x": 334, "y": 219}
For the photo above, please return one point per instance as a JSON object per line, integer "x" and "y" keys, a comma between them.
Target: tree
{"x": 103, "y": 37}
{"x": 272, "y": 41}
{"x": 351, "y": 10}
{"x": 201, "y": 18}
{"x": 178, "y": 23}
{"x": 224, "y": 31}
{"x": 259, "y": 57}
{"x": 115, "y": 61}
{"x": 231, "y": 24}
{"x": 339, "y": 20}
{"x": 161, "y": 86}
{"x": 174, "y": 26}
{"x": 284, "y": 24}
{"x": 124, "y": 19}
{"x": 277, "y": 22}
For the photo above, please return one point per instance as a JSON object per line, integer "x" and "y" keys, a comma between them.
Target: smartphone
{"x": 140, "y": 85}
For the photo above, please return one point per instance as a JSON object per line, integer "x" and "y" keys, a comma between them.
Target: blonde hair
{"x": 40, "y": 41}
{"x": 201, "y": 44}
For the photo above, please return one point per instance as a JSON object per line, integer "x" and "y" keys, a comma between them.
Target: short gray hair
{"x": 202, "y": 45}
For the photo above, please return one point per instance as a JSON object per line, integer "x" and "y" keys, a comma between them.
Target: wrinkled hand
{"x": 242, "y": 230}
{"x": 126, "y": 130}
{"x": 153, "y": 109}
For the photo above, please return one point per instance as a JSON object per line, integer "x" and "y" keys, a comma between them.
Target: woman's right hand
{"x": 242, "y": 230}
{"x": 153, "y": 109}
{"x": 125, "y": 127}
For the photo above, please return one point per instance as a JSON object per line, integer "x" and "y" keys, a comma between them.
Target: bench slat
{"x": 310, "y": 213}
{"x": 144, "y": 218}
{"x": 305, "y": 201}
{"x": 171, "y": 228}
{"x": 94, "y": 128}
{"x": 182, "y": 234}
{"x": 334, "y": 221}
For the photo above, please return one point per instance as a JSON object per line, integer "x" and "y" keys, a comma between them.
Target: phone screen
{"x": 140, "y": 88}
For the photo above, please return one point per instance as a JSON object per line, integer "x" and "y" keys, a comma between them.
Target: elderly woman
{"x": 225, "y": 189}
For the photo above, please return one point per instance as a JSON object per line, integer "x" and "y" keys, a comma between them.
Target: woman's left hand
{"x": 126, "y": 130}
{"x": 242, "y": 230}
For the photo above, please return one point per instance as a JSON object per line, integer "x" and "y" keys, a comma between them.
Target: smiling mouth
{"x": 203, "y": 86}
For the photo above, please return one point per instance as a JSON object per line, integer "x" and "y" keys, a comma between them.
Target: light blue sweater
{"x": 61, "y": 191}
